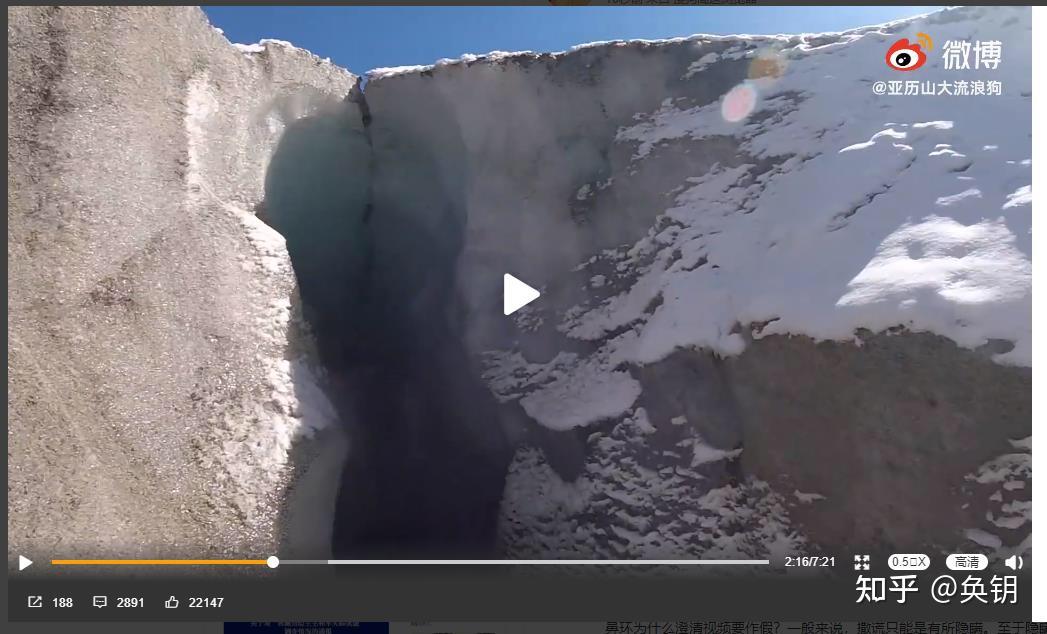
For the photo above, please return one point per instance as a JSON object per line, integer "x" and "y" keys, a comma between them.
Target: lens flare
{"x": 739, "y": 102}
{"x": 767, "y": 66}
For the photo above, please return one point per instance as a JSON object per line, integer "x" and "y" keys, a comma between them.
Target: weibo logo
{"x": 905, "y": 56}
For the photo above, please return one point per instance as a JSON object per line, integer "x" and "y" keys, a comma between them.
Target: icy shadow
{"x": 316, "y": 196}
{"x": 427, "y": 458}
{"x": 428, "y": 479}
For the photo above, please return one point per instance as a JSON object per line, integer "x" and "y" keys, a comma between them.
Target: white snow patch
{"x": 249, "y": 48}
{"x": 704, "y": 454}
{"x": 259, "y": 46}
{"x": 807, "y": 498}
{"x": 701, "y": 64}
{"x": 392, "y": 71}
{"x": 585, "y": 396}
{"x": 937, "y": 125}
{"x": 1019, "y": 197}
{"x": 946, "y": 151}
{"x": 945, "y": 201}
{"x": 888, "y": 133}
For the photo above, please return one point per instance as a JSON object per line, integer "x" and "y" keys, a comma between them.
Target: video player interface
{"x": 693, "y": 332}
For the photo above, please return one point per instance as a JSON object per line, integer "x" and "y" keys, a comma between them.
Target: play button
{"x": 24, "y": 562}
{"x": 516, "y": 294}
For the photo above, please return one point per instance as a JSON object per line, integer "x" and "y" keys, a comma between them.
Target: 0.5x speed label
{"x": 909, "y": 562}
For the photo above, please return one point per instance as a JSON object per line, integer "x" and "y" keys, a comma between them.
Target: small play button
{"x": 24, "y": 562}
{"x": 516, "y": 294}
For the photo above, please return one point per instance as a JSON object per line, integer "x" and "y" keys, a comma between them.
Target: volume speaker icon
{"x": 1014, "y": 562}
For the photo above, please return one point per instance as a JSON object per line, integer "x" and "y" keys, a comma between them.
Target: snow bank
{"x": 909, "y": 242}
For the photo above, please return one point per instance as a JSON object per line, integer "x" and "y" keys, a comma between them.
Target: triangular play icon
{"x": 516, "y": 294}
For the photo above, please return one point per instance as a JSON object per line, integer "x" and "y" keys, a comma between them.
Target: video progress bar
{"x": 162, "y": 562}
{"x": 525, "y": 562}
{"x": 273, "y": 562}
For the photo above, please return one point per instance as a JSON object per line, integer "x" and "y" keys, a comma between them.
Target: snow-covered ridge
{"x": 467, "y": 59}
{"x": 265, "y": 44}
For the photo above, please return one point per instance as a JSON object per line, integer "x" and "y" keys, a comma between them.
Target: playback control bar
{"x": 492, "y": 593}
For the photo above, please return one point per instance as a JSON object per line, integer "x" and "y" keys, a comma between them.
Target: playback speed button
{"x": 909, "y": 561}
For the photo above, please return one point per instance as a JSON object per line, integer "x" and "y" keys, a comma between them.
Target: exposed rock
{"x": 888, "y": 432}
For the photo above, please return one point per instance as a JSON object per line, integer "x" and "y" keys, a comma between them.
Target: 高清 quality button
{"x": 975, "y": 561}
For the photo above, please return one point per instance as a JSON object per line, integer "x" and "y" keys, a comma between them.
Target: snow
{"x": 249, "y": 48}
{"x": 906, "y": 247}
{"x": 701, "y": 64}
{"x": 937, "y": 125}
{"x": 467, "y": 58}
{"x": 888, "y": 133}
{"x": 1019, "y": 197}
{"x": 704, "y": 454}
{"x": 630, "y": 503}
{"x": 392, "y": 71}
{"x": 585, "y": 396}
{"x": 261, "y": 45}
{"x": 1007, "y": 477}
{"x": 946, "y": 201}
{"x": 283, "y": 43}
{"x": 1005, "y": 468}
{"x": 755, "y": 40}
{"x": 807, "y": 498}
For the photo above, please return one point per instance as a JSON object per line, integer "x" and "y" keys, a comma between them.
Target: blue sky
{"x": 362, "y": 38}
